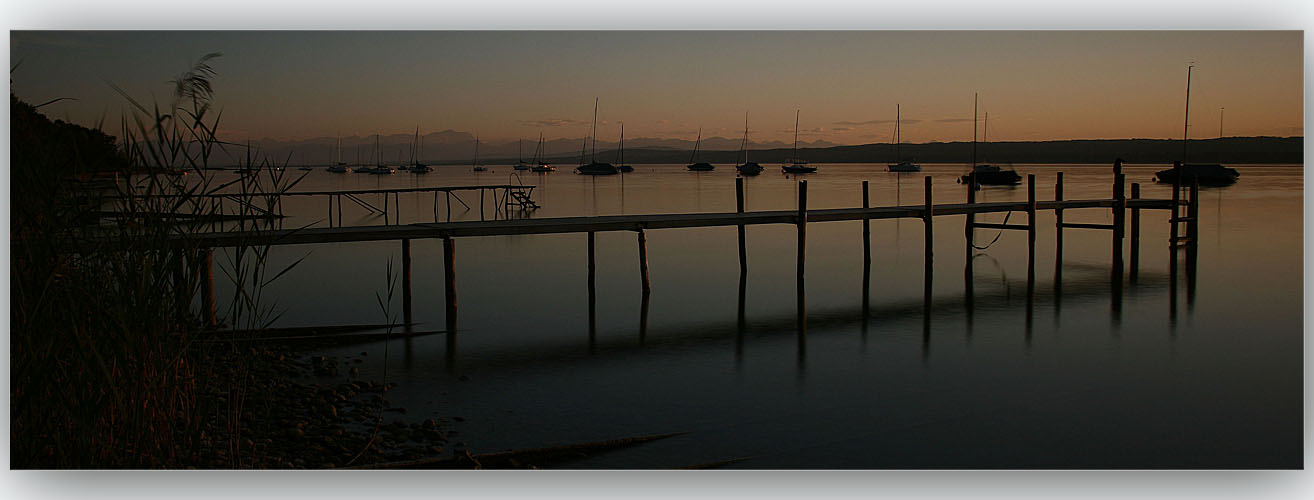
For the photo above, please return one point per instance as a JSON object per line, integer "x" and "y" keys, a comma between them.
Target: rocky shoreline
{"x": 285, "y": 421}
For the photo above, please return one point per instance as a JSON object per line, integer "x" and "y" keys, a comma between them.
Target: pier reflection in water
{"x": 542, "y": 363}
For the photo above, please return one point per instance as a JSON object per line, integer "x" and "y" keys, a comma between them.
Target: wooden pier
{"x": 1118, "y": 204}
{"x": 505, "y": 196}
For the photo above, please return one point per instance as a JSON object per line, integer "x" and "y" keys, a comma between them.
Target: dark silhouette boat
{"x": 620, "y": 153}
{"x": 747, "y": 167}
{"x": 987, "y": 175}
{"x": 1213, "y": 175}
{"x": 992, "y": 175}
{"x": 794, "y": 165}
{"x": 417, "y": 151}
{"x": 699, "y": 166}
{"x": 595, "y": 167}
{"x": 903, "y": 165}
{"x": 539, "y": 165}
{"x": 1207, "y": 174}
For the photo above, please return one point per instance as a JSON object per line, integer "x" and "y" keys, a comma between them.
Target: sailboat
{"x": 747, "y": 167}
{"x": 476, "y": 165}
{"x": 339, "y": 167}
{"x": 795, "y": 165}
{"x": 620, "y": 153}
{"x": 520, "y": 160}
{"x": 540, "y": 165}
{"x": 903, "y": 165}
{"x": 417, "y": 150}
{"x": 1215, "y": 175}
{"x": 594, "y": 167}
{"x": 699, "y": 166}
{"x": 379, "y": 167}
{"x": 986, "y": 174}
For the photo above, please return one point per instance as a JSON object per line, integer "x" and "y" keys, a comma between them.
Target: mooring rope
{"x": 992, "y": 242}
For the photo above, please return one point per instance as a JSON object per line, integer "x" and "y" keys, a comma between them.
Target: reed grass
{"x": 108, "y": 367}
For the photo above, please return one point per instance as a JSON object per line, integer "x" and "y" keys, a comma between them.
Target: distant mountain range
{"x": 453, "y": 146}
{"x": 456, "y": 148}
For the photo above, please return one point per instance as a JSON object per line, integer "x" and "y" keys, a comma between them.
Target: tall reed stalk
{"x": 112, "y": 364}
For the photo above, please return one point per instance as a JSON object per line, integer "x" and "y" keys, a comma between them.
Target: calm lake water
{"x": 1063, "y": 382}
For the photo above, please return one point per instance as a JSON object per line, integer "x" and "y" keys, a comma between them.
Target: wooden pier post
{"x": 643, "y": 262}
{"x": 339, "y": 210}
{"x": 396, "y": 204}
{"x": 406, "y": 283}
{"x": 799, "y": 266}
{"x": 1192, "y": 242}
{"x": 449, "y": 284}
{"x": 330, "y": 211}
{"x": 969, "y": 227}
{"x": 593, "y": 291}
{"x": 1134, "y": 266}
{"x": 928, "y": 214}
{"x": 481, "y": 203}
{"x": 1058, "y": 232}
{"x": 1031, "y": 225}
{"x": 866, "y": 255}
{"x": 1119, "y": 218}
{"x": 739, "y": 208}
{"x": 927, "y": 217}
{"x": 449, "y": 205}
{"x": 207, "y": 287}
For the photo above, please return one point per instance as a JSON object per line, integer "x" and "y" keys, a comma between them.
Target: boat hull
{"x": 749, "y": 169}
{"x": 1207, "y": 175}
{"x": 701, "y": 167}
{"x": 597, "y": 169}
{"x": 798, "y": 169}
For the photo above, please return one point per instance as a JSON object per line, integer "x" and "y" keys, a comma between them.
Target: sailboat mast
{"x": 745, "y": 145}
{"x": 985, "y": 134}
{"x": 621, "y": 146}
{"x": 795, "y": 135}
{"x": 476, "y": 154}
{"x": 898, "y": 128}
{"x": 594, "y": 156}
{"x": 694, "y": 156}
{"x": 1187, "y": 125}
{"x": 974, "y": 101}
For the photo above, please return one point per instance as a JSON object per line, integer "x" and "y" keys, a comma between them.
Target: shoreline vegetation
{"x": 115, "y": 361}
{"x": 114, "y": 365}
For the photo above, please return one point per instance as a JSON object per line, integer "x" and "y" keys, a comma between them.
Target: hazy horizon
{"x": 504, "y": 86}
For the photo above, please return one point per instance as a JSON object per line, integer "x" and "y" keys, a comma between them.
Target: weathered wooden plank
{"x": 617, "y": 223}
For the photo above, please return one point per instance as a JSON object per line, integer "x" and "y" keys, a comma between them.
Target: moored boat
{"x": 747, "y": 167}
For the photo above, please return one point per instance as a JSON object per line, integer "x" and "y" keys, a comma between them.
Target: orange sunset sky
{"x": 1036, "y": 85}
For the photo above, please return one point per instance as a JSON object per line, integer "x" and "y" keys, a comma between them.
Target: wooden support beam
{"x": 1119, "y": 221}
{"x": 969, "y": 227}
{"x": 593, "y": 290}
{"x": 406, "y": 283}
{"x": 991, "y": 225}
{"x": 800, "y": 264}
{"x": 928, "y": 218}
{"x": 1134, "y": 266}
{"x": 1058, "y": 234}
{"x": 1031, "y": 222}
{"x": 1082, "y": 225}
{"x": 449, "y": 284}
{"x": 643, "y": 262}
{"x": 207, "y": 287}
{"x": 339, "y": 210}
{"x": 866, "y": 254}
{"x": 739, "y": 208}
